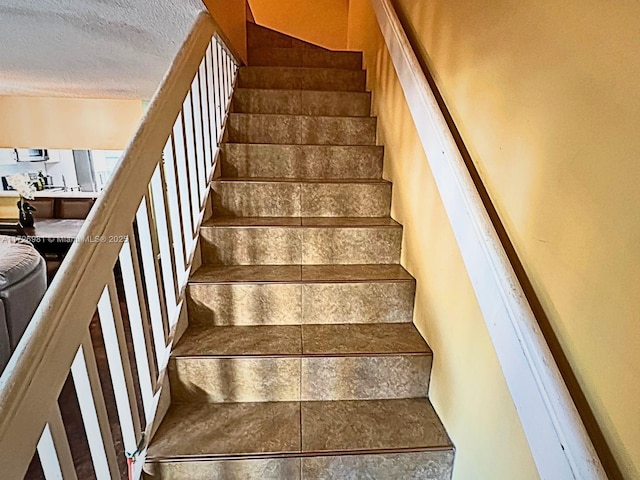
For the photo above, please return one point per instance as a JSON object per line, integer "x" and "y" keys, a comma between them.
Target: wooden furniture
{"x": 44, "y": 207}
{"x": 54, "y": 230}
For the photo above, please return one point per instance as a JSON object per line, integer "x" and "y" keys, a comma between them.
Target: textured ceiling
{"x": 90, "y": 48}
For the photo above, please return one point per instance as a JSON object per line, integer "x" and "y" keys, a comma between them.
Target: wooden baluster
{"x": 182, "y": 173}
{"x": 189, "y": 135}
{"x": 174, "y": 203}
{"x": 157, "y": 312}
{"x": 115, "y": 345}
{"x": 206, "y": 120}
{"x": 198, "y": 139}
{"x": 139, "y": 324}
{"x": 53, "y": 449}
{"x": 213, "y": 125}
{"x": 94, "y": 412}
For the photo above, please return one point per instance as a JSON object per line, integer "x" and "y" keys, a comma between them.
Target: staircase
{"x": 300, "y": 360}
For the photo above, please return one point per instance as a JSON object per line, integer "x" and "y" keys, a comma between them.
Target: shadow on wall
{"x": 439, "y": 32}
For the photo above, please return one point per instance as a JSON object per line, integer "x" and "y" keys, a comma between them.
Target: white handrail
{"x": 555, "y": 432}
{"x": 129, "y": 225}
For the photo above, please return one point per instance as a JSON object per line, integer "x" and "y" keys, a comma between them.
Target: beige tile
{"x": 337, "y": 130}
{"x": 302, "y": 78}
{"x": 252, "y": 245}
{"x": 362, "y": 338}
{"x": 426, "y": 465}
{"x": 222, "y": 429}
{"x": 302, "y": 161}
{"x": 304, "y": 57}
{"x": 342, "y": 273}
{"x": 246, "y": 100}
{"x": 318, "y": 58}
{"x": 365, "y": 377}
{"x": 245, "y": 304}
{"x": 239, "y": 340}
{"x": 259, "y": 160}
{"x": 253, "y": 273}
{"x": 365, "y": 199}
{"x": 348, "y": 104}
{"x": 253, "y": 469}
{"x": 256, "y": 199}
{"x": 261, "y": 128}
{"x": 276, "y": 57}
{"x": 253, "y": 222}
{"x": 349, "y": 222}
{"x": 302, "y": 102}
{"x": 251, "y": 379}
{"x": 373, "y": 424}
{"x": 360, "y": 302}
{"x": 361, "y": 245}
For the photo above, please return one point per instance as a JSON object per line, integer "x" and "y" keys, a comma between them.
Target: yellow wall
{"x": 63, "y": 123}
{"x": 468, "y": 388}
{"x": 547, "y": 99}
{"x": 231, "y": 15}
{"x": 323, "y": 22}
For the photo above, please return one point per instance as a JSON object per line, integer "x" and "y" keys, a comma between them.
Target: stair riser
{"x": 431, "y": 465}
{"x": 301, "y": 57}
{"x": 301, "y": 130}
{"x": 301, "y": 161}
{"x": 258, "y": 37}
{"x": 293, "y": 379}
{"x": 302, "y": 78}
{"x": 301, "y": 102}
{"x": 298, "y": 303}
{"x": 296, "y": 245}
{"x": 289, "y": 199}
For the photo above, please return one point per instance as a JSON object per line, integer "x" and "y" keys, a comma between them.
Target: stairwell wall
{"x": 467, "y": 385}
{"x": 546, "y": 99}
{"x": 323, "y": 22}
{"x": 47, "y": 122}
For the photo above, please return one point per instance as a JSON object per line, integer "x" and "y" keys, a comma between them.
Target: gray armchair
{"x": 23, "y": 282}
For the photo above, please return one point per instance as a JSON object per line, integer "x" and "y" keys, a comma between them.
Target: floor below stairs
{"x": 301, "y": 360}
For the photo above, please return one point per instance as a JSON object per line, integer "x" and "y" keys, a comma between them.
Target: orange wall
{"x": 323, "y": 22}
{"x": 468, "y": 388}
{"x": 547, "y": 99}
{"x": 63, "y": 123}
{"x": 231, "y": 15}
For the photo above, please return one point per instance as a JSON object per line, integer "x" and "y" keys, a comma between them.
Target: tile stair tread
{"x": 192, "y": 431}
{"x": 298, "y": 115}
{"x": 332, "y": 181}
{"x": 338, "y": 222}
{"x": 287, "y": 49}
{"x": 300, "y": 273}
{"x": 301, "y": 340}
{"x": 296, "y": 90}
{"x": 278, "y": 69}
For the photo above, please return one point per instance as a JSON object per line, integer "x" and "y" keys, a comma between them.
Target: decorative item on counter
{"x": 21, "y": 183}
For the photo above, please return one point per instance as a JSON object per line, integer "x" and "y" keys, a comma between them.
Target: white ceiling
{"x": 90, "y": 48}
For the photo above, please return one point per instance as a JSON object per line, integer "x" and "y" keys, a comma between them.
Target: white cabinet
{"x": 6, "y": 156}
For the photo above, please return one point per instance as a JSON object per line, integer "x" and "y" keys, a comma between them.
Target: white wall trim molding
{"x": 558, "y": 440}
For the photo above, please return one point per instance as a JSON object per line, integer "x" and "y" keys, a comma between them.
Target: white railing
{"x": 557, "y": 437}
{"x": 128, "y": 273}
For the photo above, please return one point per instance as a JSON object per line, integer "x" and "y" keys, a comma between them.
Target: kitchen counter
{"x": 53, "y": 194}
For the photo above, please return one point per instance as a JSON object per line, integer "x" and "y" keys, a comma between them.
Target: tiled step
{"x": 295, "y": 295}
{"x": 297, "y": 240}
{"x": 299, "y": 78}
{"x": 301, "y": 161}
{"x": 374, "y": 439}
{"x": 290, "y": 198}
{"x": 302, "y": 102}
{"x": 300, "y": 362}
{"x": 304, "y": 57}
{"x": 300, "y": 129}
{"x": 258, "y": 36}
